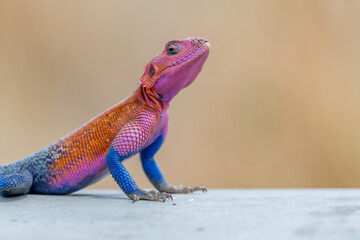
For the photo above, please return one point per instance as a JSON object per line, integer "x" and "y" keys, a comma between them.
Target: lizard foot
{"x": 179, "y": 189}
{"x": 151, "y": 195}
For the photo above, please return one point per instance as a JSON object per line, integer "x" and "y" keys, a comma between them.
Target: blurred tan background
{"x": 276, "y": 105}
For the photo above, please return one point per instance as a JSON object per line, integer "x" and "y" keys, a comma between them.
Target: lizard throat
{"x": 151, "y": 98}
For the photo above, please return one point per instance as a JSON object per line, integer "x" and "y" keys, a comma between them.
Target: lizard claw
{"x": 135, "y": 198}
{"x": 203, "y": 189}
{"x": 167, "y": 196}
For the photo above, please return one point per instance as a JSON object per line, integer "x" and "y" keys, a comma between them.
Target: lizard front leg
{"x": 153, "y": 172}
{"x": 128, "y": 142}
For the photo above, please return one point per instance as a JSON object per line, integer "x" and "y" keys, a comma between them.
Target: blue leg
{"x": 126, "y": 182}
{"x": 150, "y": 166}
{"x": 154, "y": 173}
{"x": 152, "y": 169}
{"x": 16, "y": 183}
{"x": 119, "y": 172}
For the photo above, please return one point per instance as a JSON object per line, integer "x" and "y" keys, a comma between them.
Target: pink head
{"x": 176, "y": 67}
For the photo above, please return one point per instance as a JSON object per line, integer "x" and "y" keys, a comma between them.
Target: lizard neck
{"x": 150, "y": 98}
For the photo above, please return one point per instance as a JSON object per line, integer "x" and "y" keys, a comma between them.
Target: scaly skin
{"x": 139, "y": 124}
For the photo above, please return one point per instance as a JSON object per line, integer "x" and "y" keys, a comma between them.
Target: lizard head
{"x": 176, "y": 67}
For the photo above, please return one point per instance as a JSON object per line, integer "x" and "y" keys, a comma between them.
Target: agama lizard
{"x": 138, "y": 124}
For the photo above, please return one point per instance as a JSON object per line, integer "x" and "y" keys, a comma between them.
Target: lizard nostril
{"x": 204, "y": 40}
{"x": 199, "y": 40}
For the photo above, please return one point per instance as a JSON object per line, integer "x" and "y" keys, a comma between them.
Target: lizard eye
{"x": 172, "y": 49}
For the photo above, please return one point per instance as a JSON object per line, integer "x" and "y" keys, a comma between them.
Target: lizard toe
{"x": 200, "y": 188}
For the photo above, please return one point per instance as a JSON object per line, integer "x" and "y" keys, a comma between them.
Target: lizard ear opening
{"x": 147, "y": 78}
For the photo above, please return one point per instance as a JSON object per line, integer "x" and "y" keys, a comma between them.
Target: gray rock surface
{"x": 219, "y": 214}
